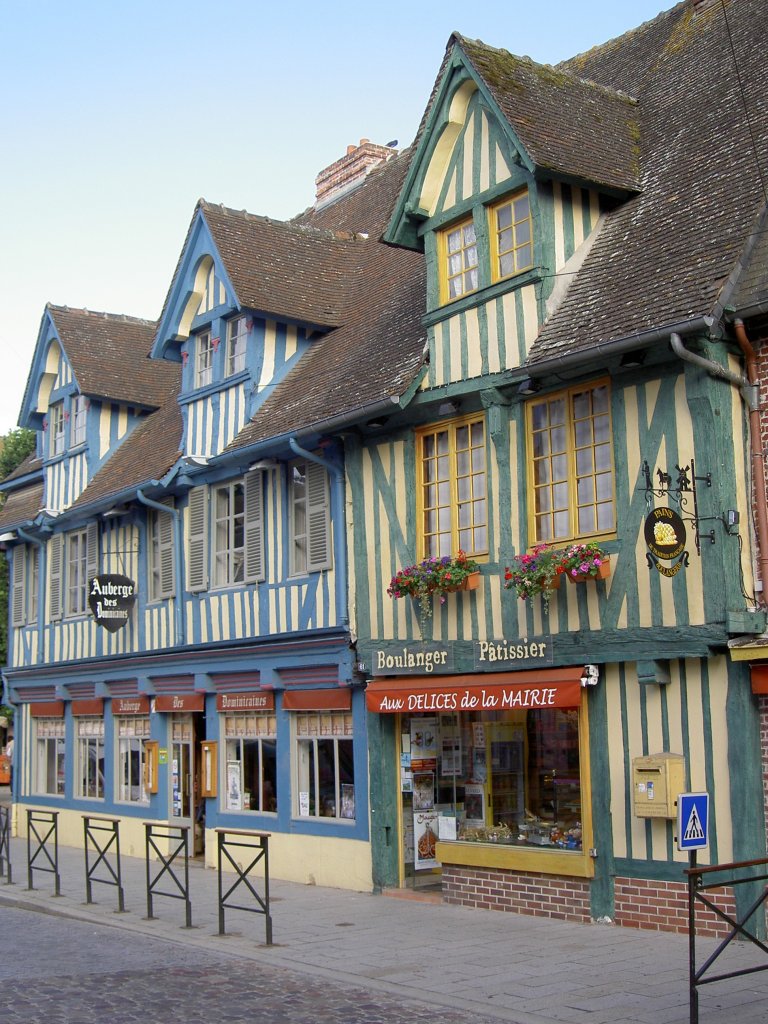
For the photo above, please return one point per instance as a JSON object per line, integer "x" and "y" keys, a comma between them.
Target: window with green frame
{"x": 458, "y": 260}
{"x": 511, "y": 234}
{"x": 453, "y": 499}
{"x": 571, "y": 464}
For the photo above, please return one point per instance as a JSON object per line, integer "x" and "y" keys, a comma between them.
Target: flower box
{"x": 472, "y": 582}
{"x": 602, "y": 572}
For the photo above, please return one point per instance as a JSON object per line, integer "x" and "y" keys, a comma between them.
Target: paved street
{"x": 59, "y": 971}
{"x": 338, "y": 956}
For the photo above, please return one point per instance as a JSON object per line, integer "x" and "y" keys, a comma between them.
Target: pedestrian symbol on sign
{"x": 693, "y": 829}
{"x": 692, "y": 821}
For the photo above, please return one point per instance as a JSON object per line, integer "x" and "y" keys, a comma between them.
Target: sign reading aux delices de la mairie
{"x": 111, "y": 598}
{"x": 394, "y": 659}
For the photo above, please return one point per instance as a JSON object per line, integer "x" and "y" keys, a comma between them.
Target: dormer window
{"x": 458, "y": 260}
{"x": 56, "y": 425}
{"x": 237, "y": 333}
{"x": 204, "y": 360}
{"x": 78, "y": 420}
{"x": 511, "y": 235}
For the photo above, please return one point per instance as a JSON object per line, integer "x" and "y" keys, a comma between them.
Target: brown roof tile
{"x": 109, "y": 356}
{"x": 569, "y": 126}
{"x": 21, "y": 506}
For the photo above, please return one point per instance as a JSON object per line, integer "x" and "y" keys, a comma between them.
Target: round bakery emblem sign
{"x": 665, "y": 536}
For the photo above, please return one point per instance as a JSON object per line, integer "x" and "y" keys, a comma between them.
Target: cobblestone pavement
{"x": 60, "y": 971}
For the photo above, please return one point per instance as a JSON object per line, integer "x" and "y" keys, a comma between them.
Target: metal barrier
{"x": 261, "y": 848}
{"x": 696, "y": 888}
{"x": 92, "y": 828}
{"x": 49, "y": 819}
{"x": 5, "y": 843}
{"x": 179, "y": 835}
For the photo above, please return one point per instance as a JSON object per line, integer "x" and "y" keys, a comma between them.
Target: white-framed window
{"x": 204, "y": 359}
{"x": 237, "y": 334}
{"x": 161, "y": 560}
{"x": 50, "y": 756}
{"x": 251, "y": 762}
{"x": 78, "y": 419}
{"x": 77, "y": 572}
{"x": 228, "y": 534}
{"x": 33, "y": 581}
{"x": 324, "y": 765}
{"x": 26, "y": 583}
{"x": 132, "y": 737}
{"x": 236, "y": 545}
{"x": 72, "y": 560}
{"x": 58, "y": 439}
{"x": 89, "y": 774}
{"x": 310, "y": 518}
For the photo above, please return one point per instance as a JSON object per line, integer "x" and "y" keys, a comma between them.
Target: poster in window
{"x": 474, "y": 804}
{"x": 347, "y": 800}
{"x": 234, "y": 786}
{"x": 423, "y": 743}
{"x": 425, "y": 839}
{"x": 423, "y": 791}
{"x": 450, "y": 763}
{"x": 478, "y": 735}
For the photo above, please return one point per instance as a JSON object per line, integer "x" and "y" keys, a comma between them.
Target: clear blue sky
{"x": 116, "y": 116}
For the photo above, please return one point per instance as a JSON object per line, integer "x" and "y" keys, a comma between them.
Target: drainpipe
{"x": 748, "y": 388}
{"x": 40, "y": 589}
{"x": 340, "y": 540}
{"x": 176, "y": 513}
{"x": 758, "y": 461}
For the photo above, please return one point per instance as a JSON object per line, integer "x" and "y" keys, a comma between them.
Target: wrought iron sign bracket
{"x": 681, "y": 489}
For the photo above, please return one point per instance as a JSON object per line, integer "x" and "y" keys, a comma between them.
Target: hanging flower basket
{"x": 586, "y": 562}
{"x": 536, "y": 572}
{"x": 434, "y": 576}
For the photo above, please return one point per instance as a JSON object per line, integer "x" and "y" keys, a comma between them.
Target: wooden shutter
{"x": 55, "y": 554}
{"x": 165, "y": 553}
{"x": 254, "y": 526}
{"x": 318, "y": 519}
{"x": 19, "y": 585}
{"x": 91, "y": 556}
{"x": 197, "y": 546}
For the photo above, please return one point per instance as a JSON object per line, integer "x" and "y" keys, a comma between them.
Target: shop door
{"x": 182, "y": 773}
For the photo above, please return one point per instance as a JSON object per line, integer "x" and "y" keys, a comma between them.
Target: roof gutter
{"x": 178, "y": 610}
{"x": 337, "y": 521}
{"x": 748, "y": 387}
{"x": 618, "y": 346}
{"x": 756, "y": 453}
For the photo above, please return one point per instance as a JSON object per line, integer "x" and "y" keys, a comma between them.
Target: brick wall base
{"x": 566, "y": 899}
{"x": 638, "y": 902}
{"x": 663, "y": 906}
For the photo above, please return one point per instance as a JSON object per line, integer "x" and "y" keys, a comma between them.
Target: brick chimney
{"x": 345, "y": 174}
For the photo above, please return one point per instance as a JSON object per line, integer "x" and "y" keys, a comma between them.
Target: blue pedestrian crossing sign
{"x": 692, "y": 821}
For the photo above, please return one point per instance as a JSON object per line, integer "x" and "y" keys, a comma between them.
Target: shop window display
{"x": 251, "y": 756}
{"x": 510, "y": 777}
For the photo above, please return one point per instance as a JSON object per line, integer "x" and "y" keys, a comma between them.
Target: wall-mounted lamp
{"x": 6, "y": 538}
{"x": 631, "y": 360}
{"x": 590, "y": 675}
{"x": 263, "y": 464}
{"x": 116, "y": 511}
{"x": 380, "y": 421}
{"x": 195, "y": 460}
{"x": 50, "y": 512}
{"x": 448, "y": 408}
{"x": 528, "y": 386}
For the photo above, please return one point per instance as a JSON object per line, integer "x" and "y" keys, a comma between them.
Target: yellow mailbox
{"x": 656, "y": 782}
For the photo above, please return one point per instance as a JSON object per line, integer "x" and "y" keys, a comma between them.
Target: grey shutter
{"x": 55, "y": 554}
{"x": 165, "y": 545}
{"x": 254, "y": 526}
{"x": 197, "y": 545}
{"x": 318, "y": 519}
{"x": 19, "y": 585}
{"x": 91, "y": 556}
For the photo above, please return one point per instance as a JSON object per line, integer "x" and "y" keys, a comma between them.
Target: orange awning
{"x": 479, "y": 691}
